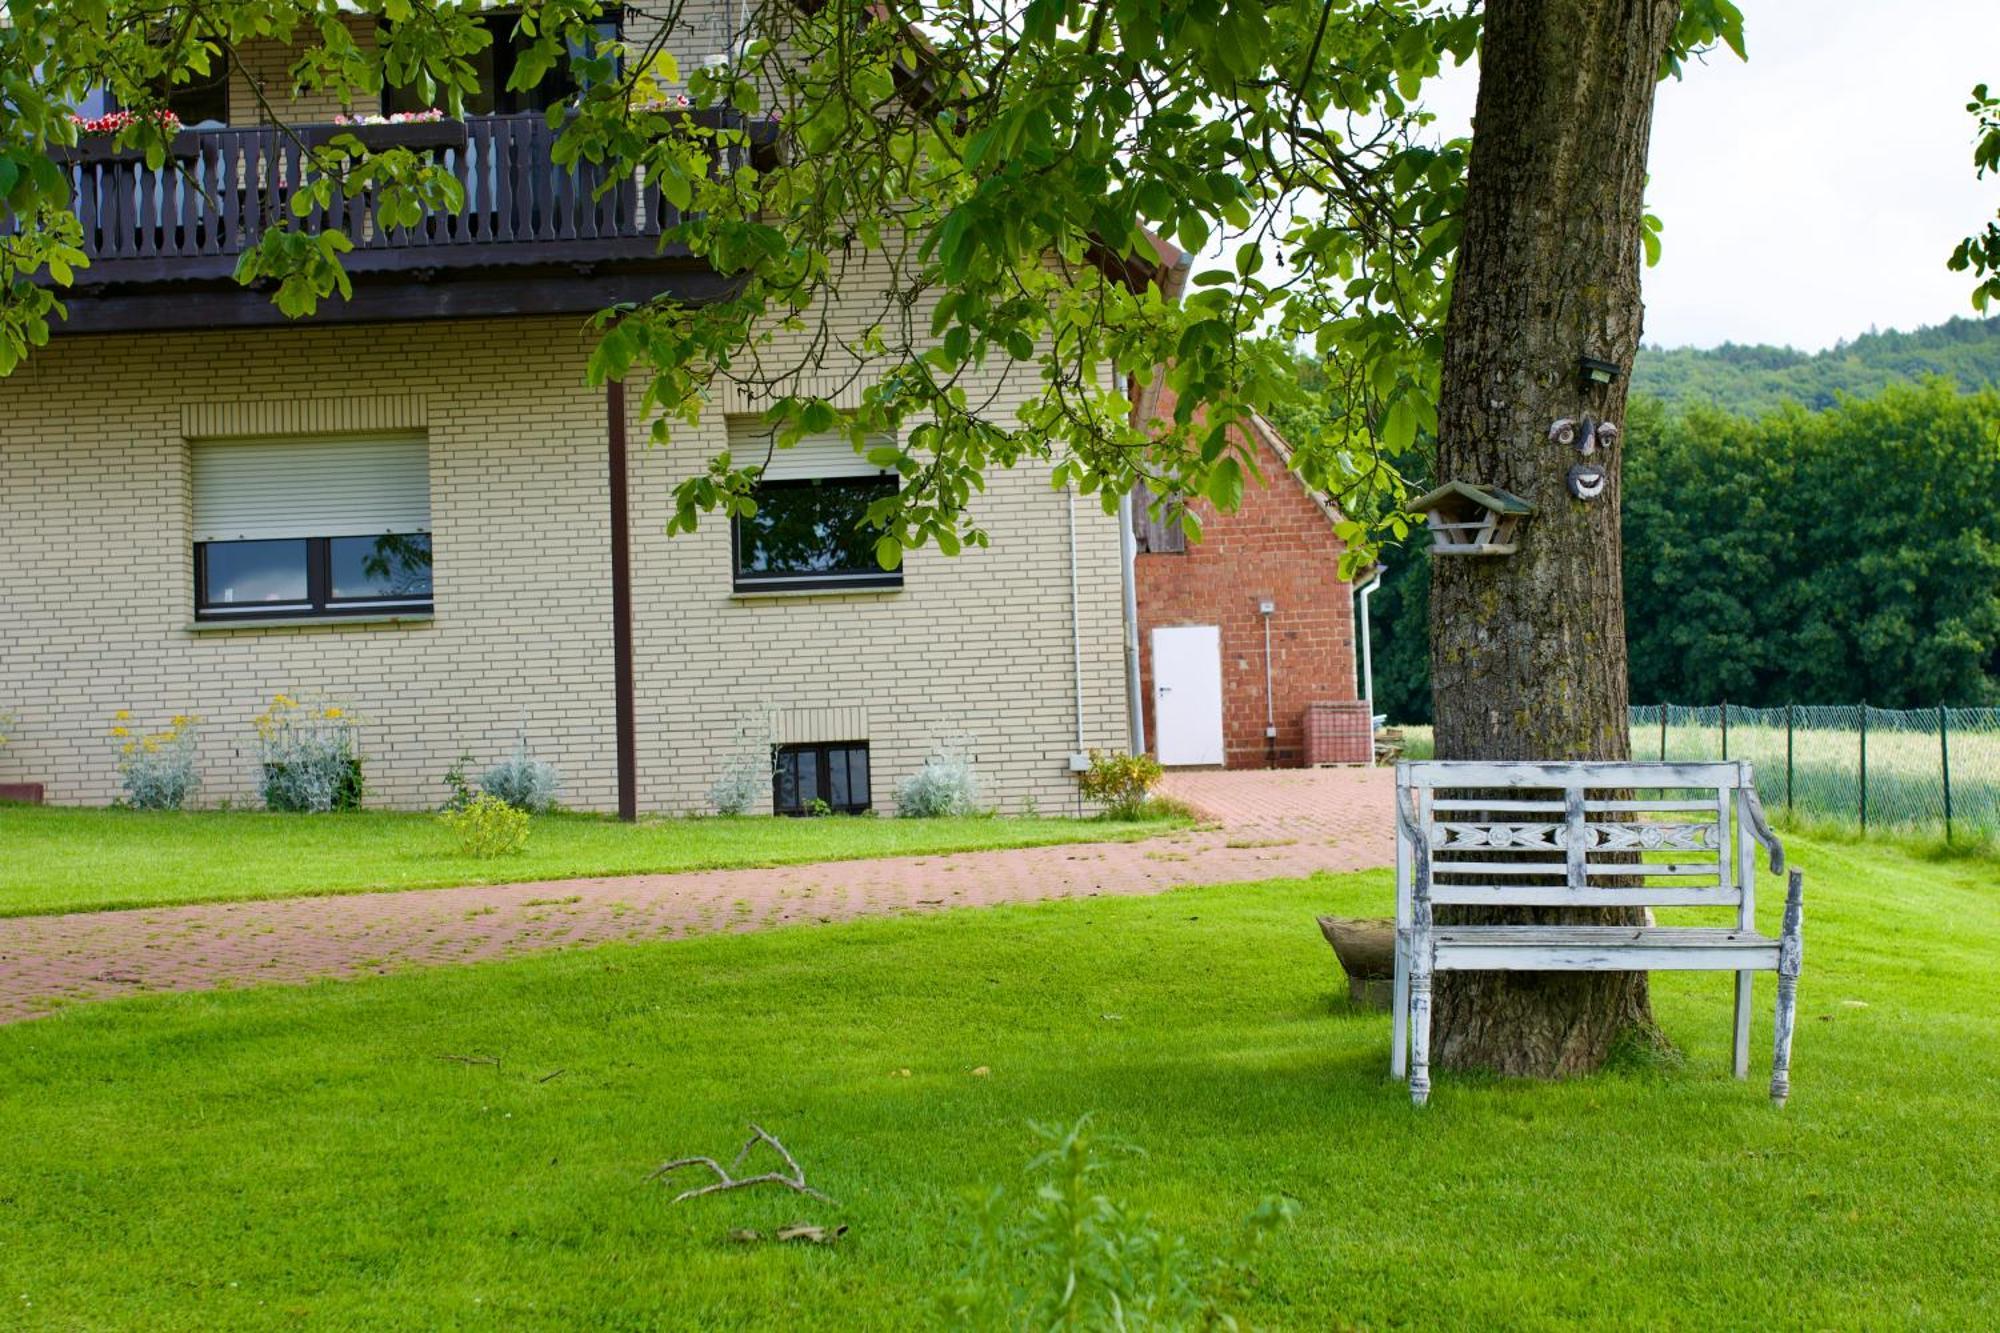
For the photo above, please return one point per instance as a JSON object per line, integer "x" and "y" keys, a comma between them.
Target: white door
{"x": 1187, "y": 694}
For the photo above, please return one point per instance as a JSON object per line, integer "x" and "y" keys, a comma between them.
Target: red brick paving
{"x": 1272, "y": 825}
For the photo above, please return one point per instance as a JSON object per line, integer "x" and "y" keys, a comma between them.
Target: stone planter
{"x": 1366, "y": 949}
{"x": 27, "y": 793}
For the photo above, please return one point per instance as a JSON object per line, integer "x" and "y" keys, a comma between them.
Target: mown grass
{"x": 66, "y": 859}
{"x": 307, "y": 1157}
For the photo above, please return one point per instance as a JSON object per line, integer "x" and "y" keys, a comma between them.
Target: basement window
{"x": 289, "y": 528}
{"x": 829, "y": 778}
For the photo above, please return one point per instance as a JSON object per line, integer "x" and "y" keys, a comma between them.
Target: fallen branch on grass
{"x": 794, "y": 1181}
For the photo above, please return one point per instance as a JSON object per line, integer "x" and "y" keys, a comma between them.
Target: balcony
{"x": 531, "y": 237}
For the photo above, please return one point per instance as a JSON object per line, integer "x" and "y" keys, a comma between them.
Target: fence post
{"x": 1663, "y": 733}
{"x": 1725, "y": 730}
{"x": 1864, "y": 768}
{"x": 1788, "y": 758}
{"x": 1944, "y": 760}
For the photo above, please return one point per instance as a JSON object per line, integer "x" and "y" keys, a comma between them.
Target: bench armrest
{"x": 1760, "y": 829}
{"x": 1420, "y": 849}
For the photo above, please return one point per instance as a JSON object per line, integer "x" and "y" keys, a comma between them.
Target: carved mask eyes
{"x": 1586, "y": 481}
{"x": 1563, "y": 432}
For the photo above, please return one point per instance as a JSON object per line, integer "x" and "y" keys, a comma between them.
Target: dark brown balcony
{"x": 531, "y": 237}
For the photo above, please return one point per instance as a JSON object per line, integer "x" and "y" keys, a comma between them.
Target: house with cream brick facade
{"x": 412, "y": 503}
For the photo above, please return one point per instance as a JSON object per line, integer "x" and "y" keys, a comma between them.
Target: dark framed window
{"x": 493, "y": 66}
{"x": 803, "y": 776}
{"x": 312, "y": 576}
{"x": 813, "y": 533}
{"x": 202, "y": 100}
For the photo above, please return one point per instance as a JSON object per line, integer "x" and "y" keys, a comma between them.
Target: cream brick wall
{"x": 95, "y": 532}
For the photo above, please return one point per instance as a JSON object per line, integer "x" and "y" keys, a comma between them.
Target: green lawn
{"x": 304, "y": 1157}
{"x": 65, "y": 859}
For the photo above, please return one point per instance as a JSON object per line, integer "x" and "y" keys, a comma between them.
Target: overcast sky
{"x": 1818, "y": 189}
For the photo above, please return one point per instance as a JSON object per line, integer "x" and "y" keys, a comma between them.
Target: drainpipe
{"x": 622, "y": 690}
{"x": 1265, "y": 609}
{"x": 1077, "y": 762}
{"x": 1362, "y": 593}
{"x": 1135, "y": 699}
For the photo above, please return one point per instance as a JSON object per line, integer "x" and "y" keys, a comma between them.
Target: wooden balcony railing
{"x": 224, "y": 188}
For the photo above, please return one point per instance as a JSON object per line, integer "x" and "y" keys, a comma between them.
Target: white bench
{"x": 1580, "y": 835}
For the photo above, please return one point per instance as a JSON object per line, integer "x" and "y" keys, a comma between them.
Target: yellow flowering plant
{"x": 157, "y": 769}
{"x": 310, "y": 755}
{"x": 8, "y": 722}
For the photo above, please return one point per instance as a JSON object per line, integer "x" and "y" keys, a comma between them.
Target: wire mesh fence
{"x": 1922, "y": 769}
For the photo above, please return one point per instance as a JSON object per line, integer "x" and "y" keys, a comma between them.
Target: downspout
{"x": 1128, "y": 551}
{"x": 1076, "y": 759}
{"x": 1075, "y": 618}
{"x": 621, "y": 605}
{"x": 1361, "y": 595}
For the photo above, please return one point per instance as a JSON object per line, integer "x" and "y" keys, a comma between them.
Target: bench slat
{"x": 1559, "y": 895}
{"x": 1446, "y": 774}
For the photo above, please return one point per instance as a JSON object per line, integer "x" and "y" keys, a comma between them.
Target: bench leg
{"x": 1399, "y": 1023}
{"x": 1791, "y": 958}
{"x": 1420, "y": 1024}
{"x": 1740, "y": 1047}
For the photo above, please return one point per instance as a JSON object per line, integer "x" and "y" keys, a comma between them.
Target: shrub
{"x": 1120, "y": 782}
{"x": 1078, "y": 1260}
{"x": 310, "y": 758}
{"x": 944, "y": 786}
{"x": 157, "y": 770}
{"x": 744, "y": 780}
{"x": 8, "y": 725}
{"x": 487, "y": 826}
{"x": 523, "y": 781}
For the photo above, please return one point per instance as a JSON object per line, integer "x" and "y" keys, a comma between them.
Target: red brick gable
{"x": 1279, "y": 546}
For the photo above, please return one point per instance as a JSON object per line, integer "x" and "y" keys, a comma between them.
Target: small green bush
{"x": 944, "y": 787}
{"x": 1120, "y": 782}
{"x": 745, "y": 778}
{"x": 487, "y": 826}
{"x": 523, "y": 781}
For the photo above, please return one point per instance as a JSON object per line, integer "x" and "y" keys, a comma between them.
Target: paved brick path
{"x": 1273, "y": 825}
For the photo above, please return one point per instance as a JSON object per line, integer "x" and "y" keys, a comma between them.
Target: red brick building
{"x": 1254, "y": 622}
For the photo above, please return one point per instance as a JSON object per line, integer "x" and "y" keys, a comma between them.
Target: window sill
{"x": 412, "y": 618}
{"x": 834, "y": 590}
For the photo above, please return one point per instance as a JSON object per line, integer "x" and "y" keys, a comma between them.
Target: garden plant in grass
{"x": 310, "y": 756}
{"x": 745, "y": 776}
{"x": 157, "y": 769}
{"x": 1121, "y": 783}
{"x": 1076, "y": 1259}
{"x": 487, "y": 826}
{"x": 523, "y": 781}
{"x": 944, "y": 786}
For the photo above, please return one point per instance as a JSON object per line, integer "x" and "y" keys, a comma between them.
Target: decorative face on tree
{"x": 1586, "y": 435}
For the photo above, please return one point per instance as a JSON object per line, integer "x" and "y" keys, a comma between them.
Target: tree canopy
{"x": 1007, "y": 170}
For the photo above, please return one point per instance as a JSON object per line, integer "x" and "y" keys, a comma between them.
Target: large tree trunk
{"x": 1528, "y": 650}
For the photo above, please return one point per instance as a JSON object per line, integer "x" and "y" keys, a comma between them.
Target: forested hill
{"x": 1749, "y": 380}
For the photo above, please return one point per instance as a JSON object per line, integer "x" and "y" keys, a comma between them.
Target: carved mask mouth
{"x": 1586, "y": 481}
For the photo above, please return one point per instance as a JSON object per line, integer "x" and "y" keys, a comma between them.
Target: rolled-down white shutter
{"x": 831, "y": 455}
{"x": 310, "y": 488}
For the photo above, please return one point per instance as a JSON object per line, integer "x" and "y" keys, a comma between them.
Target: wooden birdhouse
{"x": 1472, "y": 520}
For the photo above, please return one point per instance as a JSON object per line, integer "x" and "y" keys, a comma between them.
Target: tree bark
{"x": 1528, "y": 650}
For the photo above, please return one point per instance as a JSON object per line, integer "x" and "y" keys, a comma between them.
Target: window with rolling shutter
{"x": 811, "y": 530}
{"x": 311, "y": 527}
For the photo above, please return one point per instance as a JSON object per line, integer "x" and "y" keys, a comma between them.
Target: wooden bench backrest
{"x": 1563, "y": 835}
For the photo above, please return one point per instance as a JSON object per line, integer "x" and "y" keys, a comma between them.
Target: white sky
{"x": 1819, "y": 188}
